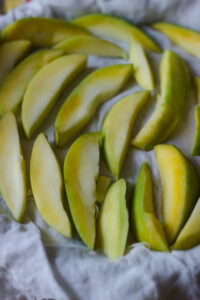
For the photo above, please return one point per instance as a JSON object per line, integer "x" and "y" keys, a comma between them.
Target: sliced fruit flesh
{"x": 82, "y": 103}
{"x": 113, "y": 221}
{"x": 103, "y": 184}
{"x": 196, "y": 146}
{"x": 91, "y": 45}
{"x": 47, "y": 186}
{"x": 12, "y": 167}
{"x": 13, "y": 88}
{"x": 81, "y": 169}
{"x": 45, "y": 88}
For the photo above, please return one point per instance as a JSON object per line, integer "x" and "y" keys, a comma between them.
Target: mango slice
{"x": 91, "y": 45}
{"x": 180, "y": 188}
{"x": 45, "y": 88}
{"x": 47, "y": 186}
{"x": 42, "y": 32}
{"x": 81, "y": 168}
{"x": 13, "y": 88}
{"x": 196, "y": 146}
{"x": 144, "y": 223}
{"x": 141, "y": 68}
{"x": 10, "y": 54}
{"x": 189, "y": 236}
{"x": 103, "y": 184}
{"x": 117, "y": 128}
{"x": 186, "y": 38}
{"x": 197, "y": 88}
{"x": 82, "y": 103}
{"x": 115, "y": 28}
{"x": 113, "y": 221}
{"x": 12, "y": 167}
{"x": 170, "y": 105}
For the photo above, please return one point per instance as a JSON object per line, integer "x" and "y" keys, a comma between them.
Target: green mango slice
{"x": 103, "y": 184}
{"x": 196, "y": 146}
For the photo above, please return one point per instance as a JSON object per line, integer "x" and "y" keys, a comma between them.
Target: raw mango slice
{"x": 196, "y": 146}
{"x": 103, "y": 184}
{"x": 197, "y": 88}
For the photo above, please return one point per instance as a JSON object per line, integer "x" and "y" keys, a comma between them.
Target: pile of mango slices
{"x": 39, "y": 58}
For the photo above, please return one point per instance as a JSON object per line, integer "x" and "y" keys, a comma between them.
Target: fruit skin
{"x": 170, "y": 105}
{"x": 146, "y": 226}
{"x": 12, "y": 167}
{"x": 13, "y": 88}
{"x": 42, "y": 32}
{"x": 115, "y": 28}
{"x": 45, "y": 88}
{"x": 186, "y": 38}
{"x": 197, "y": 88}
{"x": 113, "y": 221}
{"x": 81, "y": 168}
{"x": 102, "y": 186}
{"x": 82, "y": 103}
{"x": 189, "y": 236}
{"x": 91, "y": 45}
{"x": 180, "y": 188}
{"x": 196, "y": 146}
{"x": 10, "y": 54}
{"x": 47, "y": 186}
{"x": 117, "y": 129}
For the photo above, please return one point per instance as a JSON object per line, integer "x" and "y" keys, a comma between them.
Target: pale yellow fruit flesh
{"x": 45, "y": 88}
{"x": 103, "y": 184}
{"x": 13, "y": 88}
{"x": 12, "y": 167}
{"x": 47, "y": 186}
{"x": 81, "y": 170}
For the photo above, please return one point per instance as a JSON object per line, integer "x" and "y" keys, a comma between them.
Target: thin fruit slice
{"x": 12, "y": 167}
{"x": 91, "y": 45}
{"x": 113, "y": 221}
{"x": 45, "y": 88}
{"x": 180, "y": 188}
{"x": 144, "y": 223}
{"x": 196, "y": 146}
{"x": 115, "y": 28}
{"x": 10, "y": 54}
{"x": 82, "y": 103}
{"x": 42, "y": 32}
{"x": 170, "y": 105}
{"x": 13, "y": 88}
{"x": 141, "y": 68}
{"x": 197, "y": 88}
{"x": 81, "y": 170}
{"x": 47, "y": 186}
{"x": 117, "y": 128}
{"x": 103, "y": 184}
{"x": 186, "y": 38}
{"x": 190, "y": 234}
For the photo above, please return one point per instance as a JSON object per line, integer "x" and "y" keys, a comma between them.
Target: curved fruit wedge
{"x": 82, "y": 103}
{"x": 197, "y": 88}
{"x": 117, "y": 128}
{"x": 42, "y": 32}
{"x": 91, "y": 45}
{"x": 190, "y": 234}
{"x": 141, "y": 68}
{"x": 115, "y": 28}
{"x": 47, "y": 186}
{"x": 81, "y": 169}
{"x": 12, "y": 167}
{"x": 103, "y": 184}
{"x": 186, "y": 38}
{"x": 145, "y": 225}
{"x": 180, "y": 188}
{"x": 10, "y": 54}
{"x": 170, "y": 105}
{"x": 196, "y": 146}
{"x": 13, "y": 88}
{"x": 113, "y": 221}
{"x": 45, "y": 88}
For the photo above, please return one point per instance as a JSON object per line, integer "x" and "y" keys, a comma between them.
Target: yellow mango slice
{"x": 115, "y": 28}
{"x": 45, "y": 88}
{"x": 117, "y": 128}
{"x": 10, "y": 54}
{"x": 12, "y": 167}
{"x": 197, "y": 88}
{"x": 47, "y": 186}
{"x": 81, "y": 168}
{"x": 42, "y": 32}
{"x": 103, "y": 184}
{"x": 13, "y": 88}
{"x": 180, "y": 188}
{"x": 82, "y": 103}
{"x": 196, "y": 146}
{"x": 91, "y": 45}
{"x": 113, "y": 221}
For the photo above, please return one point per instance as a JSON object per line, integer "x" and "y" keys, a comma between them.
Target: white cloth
{"x": 42, "y": 264}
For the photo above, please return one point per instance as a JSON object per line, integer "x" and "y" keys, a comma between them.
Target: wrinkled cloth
{"x": 35, "y": 261}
